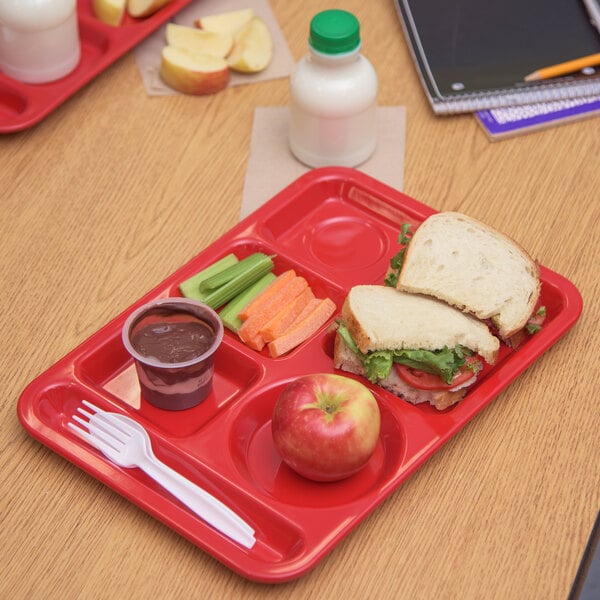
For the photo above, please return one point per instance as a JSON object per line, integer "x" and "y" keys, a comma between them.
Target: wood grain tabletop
{"x": 115, "y": 190}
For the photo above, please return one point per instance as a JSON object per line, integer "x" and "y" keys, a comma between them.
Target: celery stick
{"x": 251, "y": 264}
{"x": 190, "y": 288}
{"x": 229, "y": 313}
{"x": 226, "y": 292}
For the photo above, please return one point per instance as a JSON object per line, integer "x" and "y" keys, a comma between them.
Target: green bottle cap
{"x": 334, "y": 32}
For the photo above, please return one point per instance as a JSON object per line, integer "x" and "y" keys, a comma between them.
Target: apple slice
{"x": 109, "y": 11}
{"x": 192, "y": 72}
{"x": 228, "y": 22}
{"x": 198, "y": 40}
{"x": 145, "y": 8}
{"x": 252, "y": 48}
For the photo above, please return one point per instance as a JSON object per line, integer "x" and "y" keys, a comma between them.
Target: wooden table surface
{"x": 115, "y": 190}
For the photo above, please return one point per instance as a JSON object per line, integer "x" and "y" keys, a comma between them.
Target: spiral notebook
{"x": 473, "y": 55}
{"x": 509, "y": 121}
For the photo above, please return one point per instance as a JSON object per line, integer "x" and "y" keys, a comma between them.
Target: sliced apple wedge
{"x": 198, "y": 40}
{"x": 229, "y": 22}
{"x": 109, "y": 11}
{"x": 145, "y": 8}
{"x": 192, "y": 72}
{"x": 252, "y": 48}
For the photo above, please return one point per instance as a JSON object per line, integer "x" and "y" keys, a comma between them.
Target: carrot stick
{"x": 303, "y": 329}
{"x": 312, "y": 304}
{"x": 285, "y": 317}
{"x": 265, "y": 297}
{"x": 256, "y": 342}
{"x": 249, "y": 332}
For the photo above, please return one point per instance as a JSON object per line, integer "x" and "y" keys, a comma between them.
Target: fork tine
{"x": 90, "y": 439}
{"x": 85, "y": 413}
{"x": 92, "y": 406}
{"x": 103, "y": 429}
{"x": 101, "y": 416}
{"x": 81, "y": 421}
{"x": 101, "y": 432}
{"x": 101, "y": 420}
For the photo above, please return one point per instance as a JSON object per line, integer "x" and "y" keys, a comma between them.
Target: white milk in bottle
{"x": 333, "y": 96}
{"x": 39, "y": 39}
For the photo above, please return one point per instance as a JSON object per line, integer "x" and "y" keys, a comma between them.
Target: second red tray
{"x": 23, "y": 104}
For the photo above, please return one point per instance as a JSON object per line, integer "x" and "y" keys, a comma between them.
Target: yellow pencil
{"x": 564, "y": 68}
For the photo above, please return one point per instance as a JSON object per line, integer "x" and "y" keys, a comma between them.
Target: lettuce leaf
{"x": 445, "y": 362}
{"x": 348, "y": 339}
{"x": 378, "y": 364}
{"x": 396, "y": 261}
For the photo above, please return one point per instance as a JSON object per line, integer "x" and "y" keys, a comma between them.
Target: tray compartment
{"x": 282, "y": 260}
{"x": 278, "y": 538}
{"x": 109, "y": 369}
{"x": 257, "y": 460}
{"x": 321, "y": 286}
{"x": 375, "y": 200}
{"x": 340, "y": 234}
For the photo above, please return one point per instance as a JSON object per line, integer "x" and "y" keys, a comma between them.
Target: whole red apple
{"x": 326, "y": 426}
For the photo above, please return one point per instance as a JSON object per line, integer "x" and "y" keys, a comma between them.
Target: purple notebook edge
{"x": 534, "y": 116}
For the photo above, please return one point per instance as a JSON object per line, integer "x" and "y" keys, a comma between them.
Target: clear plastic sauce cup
{"x": 173, "y": 342}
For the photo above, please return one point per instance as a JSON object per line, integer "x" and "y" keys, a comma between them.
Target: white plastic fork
{"x": 126, "y": 443}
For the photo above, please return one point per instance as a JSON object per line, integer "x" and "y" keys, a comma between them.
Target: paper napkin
{"x": 272, "y": 166}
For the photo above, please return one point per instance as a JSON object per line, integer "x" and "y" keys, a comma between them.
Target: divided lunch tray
{"x": 25, "y": 104}
{"x": 338, "y": 228}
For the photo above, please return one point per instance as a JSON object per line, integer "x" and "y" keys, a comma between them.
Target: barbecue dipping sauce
{"x": 173, "y": 341}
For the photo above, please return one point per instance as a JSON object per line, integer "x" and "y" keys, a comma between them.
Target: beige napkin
{"x": 147, "y": 54}
{"x": 272, "y": 166}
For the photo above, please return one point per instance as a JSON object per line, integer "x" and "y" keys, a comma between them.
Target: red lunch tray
{"x": 25, "y": 104}
{"x": 337, "y": 228}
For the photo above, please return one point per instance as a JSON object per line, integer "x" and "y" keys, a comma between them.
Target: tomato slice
{"x": 429, "y": 381}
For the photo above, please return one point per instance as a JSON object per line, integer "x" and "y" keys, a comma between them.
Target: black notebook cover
{"x": 474, "y": 54}
{"x": 587, "y": 581}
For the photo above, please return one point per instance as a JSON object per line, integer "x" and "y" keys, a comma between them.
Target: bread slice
{"x": 382, "y": 318}
{"x": 477, "y": 269}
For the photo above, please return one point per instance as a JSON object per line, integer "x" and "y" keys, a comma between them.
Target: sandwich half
{"x": 414, "y": 346}
{"x": 475, "y": 268}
